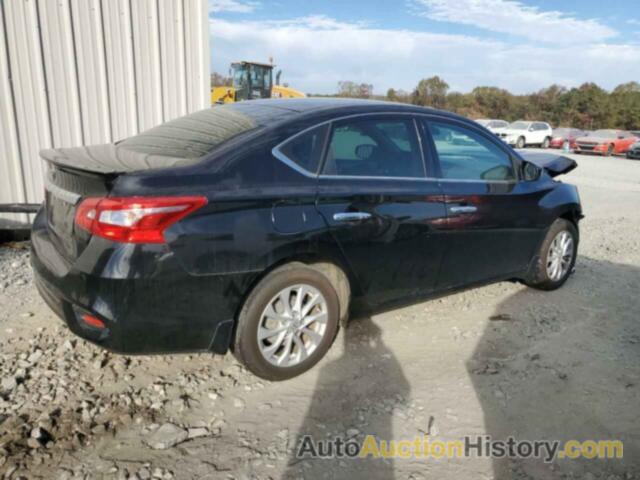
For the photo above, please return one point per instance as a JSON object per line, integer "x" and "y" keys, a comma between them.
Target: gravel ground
{"x": 499, "y": 360}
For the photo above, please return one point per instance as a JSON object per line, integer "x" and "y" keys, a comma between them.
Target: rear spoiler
{"x": 553, "y": 163}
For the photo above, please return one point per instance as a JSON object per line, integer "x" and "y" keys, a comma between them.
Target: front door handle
{"x": 351, "y": 216}
{"x": 463, "y": 209}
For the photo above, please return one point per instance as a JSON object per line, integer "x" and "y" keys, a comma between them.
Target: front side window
{"x": 305, "y": 150}
{"x": 467, "y": 155}
{"x": 369, "y": 147}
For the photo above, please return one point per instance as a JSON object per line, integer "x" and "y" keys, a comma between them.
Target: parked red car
{"x": 605, "y": 142}
{"x": 563, "y": 135}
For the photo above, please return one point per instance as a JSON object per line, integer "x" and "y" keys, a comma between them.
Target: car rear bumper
{"x": 146, "y": 300}
{"x": 633, "y": 154}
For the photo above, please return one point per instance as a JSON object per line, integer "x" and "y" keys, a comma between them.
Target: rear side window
{"x": 467, "y": 155}
{"x": 305, "y": 150}
{"x": 368, "y": 147}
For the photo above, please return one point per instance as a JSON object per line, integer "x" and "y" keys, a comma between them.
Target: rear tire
{"x": 288, "y": 346}
{"x": 546, "y": 142}
{"x": 556, "y": 257}
{"x": 520, "y": 143}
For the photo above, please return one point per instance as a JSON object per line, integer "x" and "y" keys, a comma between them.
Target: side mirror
{"x": 620, "y": 137}
{"x": 531, "y": 172}
{"x": 531, "y": 129}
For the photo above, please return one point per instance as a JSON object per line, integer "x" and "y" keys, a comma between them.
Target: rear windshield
{"x": 192, "y": 136}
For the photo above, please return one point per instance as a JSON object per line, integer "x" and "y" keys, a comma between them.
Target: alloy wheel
{"x": 560, "y": 256}
{"x": 292, "y": 325}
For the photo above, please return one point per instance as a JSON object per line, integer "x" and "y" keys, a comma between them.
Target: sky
{"x": 519, "y": 45}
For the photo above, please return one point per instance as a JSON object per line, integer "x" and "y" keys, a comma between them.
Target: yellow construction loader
{"x": 252, "y": 80}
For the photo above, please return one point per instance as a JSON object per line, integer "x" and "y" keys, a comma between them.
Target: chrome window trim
{"x": 275, "y": 151}
{"x": 290, "y": 163}
{"x": 367, "y": 177}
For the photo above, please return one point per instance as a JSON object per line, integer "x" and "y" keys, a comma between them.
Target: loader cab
{"x": 252, "y": 80}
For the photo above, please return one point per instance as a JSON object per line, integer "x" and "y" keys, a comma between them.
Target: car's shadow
{"x": 557, "y": 365}
{"x": 565, "y": 365}
{"x": 345, "y": 406}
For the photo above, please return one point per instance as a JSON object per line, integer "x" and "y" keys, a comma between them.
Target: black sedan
{"x": 256, "y": 226}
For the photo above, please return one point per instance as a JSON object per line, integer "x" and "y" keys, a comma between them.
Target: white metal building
{"x": 76, "y": 72}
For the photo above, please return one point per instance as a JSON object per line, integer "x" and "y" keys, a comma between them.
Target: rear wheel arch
{"x": 332, "y": 268}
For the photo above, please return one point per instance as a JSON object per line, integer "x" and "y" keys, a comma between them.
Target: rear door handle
{"x": 463, "y": 209}
{"x": 351, "y": 216}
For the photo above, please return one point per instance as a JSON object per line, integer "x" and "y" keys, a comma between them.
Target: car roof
{"x": 267, "y": 111}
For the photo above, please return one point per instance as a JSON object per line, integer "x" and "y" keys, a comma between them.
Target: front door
{"x": 494, "y": 225}
{"x": 381, "y": 208}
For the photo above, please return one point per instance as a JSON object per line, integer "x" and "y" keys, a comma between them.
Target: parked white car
{"x": 523, "y": 133}
{"x": 493, "y": 125}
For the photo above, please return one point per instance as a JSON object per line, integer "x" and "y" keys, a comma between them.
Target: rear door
{"x": 493, "y": 219}
{"x": 380, "y": 206}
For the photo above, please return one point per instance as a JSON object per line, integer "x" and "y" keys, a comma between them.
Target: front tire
{"x": 287, "y": 323}
{"x": 557, "y": 256}
{"x": 520, "y": 143}
{"x": 546, "y": 142}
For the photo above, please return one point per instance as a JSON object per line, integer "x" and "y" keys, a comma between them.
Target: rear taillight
{"x": 134, "y": 219}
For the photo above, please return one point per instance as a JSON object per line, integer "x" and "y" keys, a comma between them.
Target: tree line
{"x": 588, "y": 106}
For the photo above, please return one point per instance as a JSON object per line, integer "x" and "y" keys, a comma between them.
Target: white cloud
{"x": 235, "y": 6}
{"x": 315, "y": 53}
{"x": 515, "y": 18}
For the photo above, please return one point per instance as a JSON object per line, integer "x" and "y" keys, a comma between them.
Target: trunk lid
{"x": 65, "y": 187}
{"x": 109, "y": 158}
